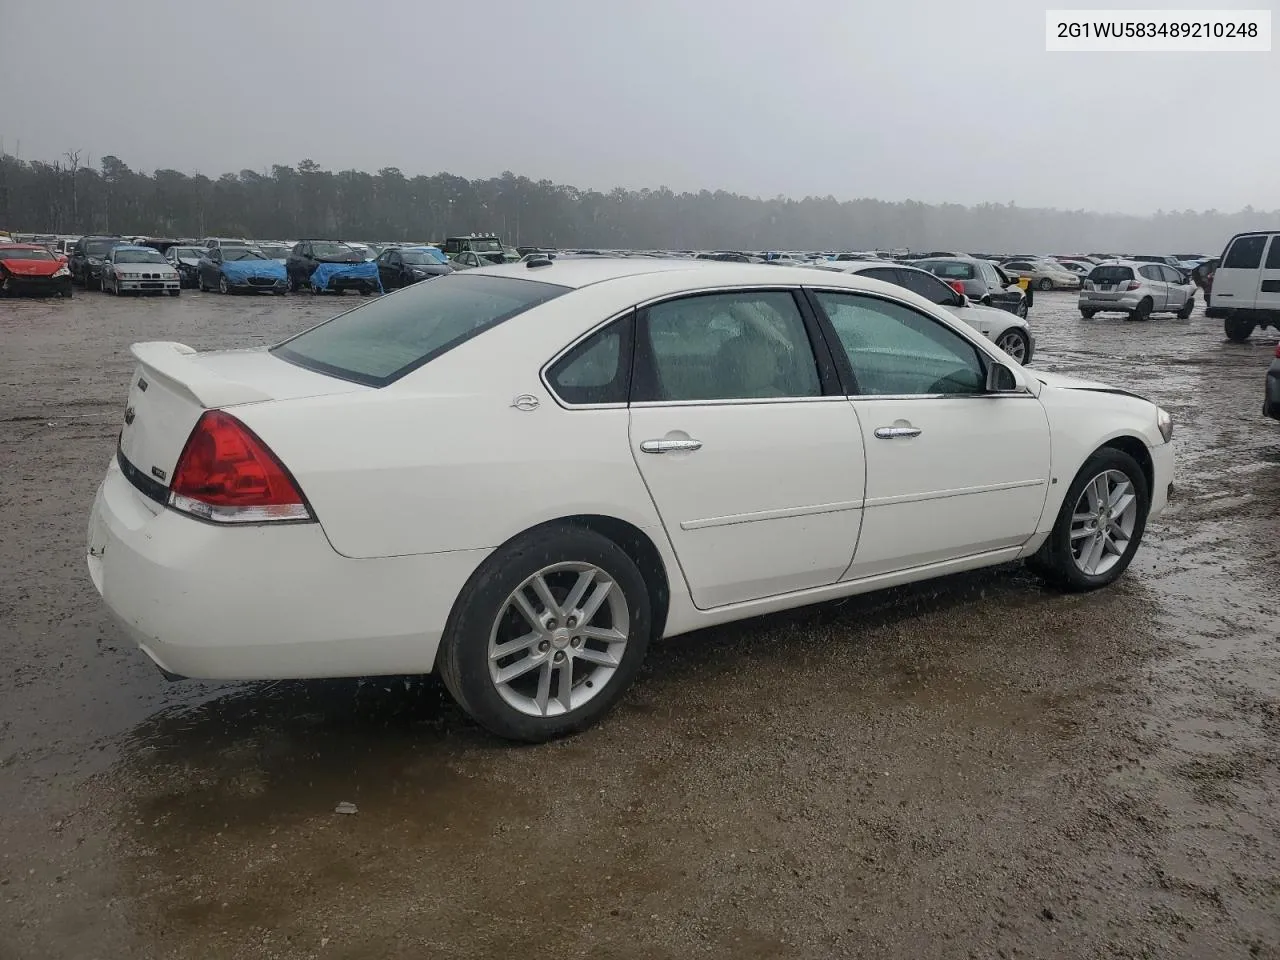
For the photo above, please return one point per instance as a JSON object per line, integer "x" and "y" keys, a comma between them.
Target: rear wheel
{"x": 294, "y": 286}
{"x": 1187, "y": 309}
{"x": 1045, "y": 283}
{"x": 1088, "y": 314}
{"x": 547, "y": 635}
{"x": 1142, "y": 312}
{"x": 1099, "y": 525}
{"x": 1016, "y": 344}
{"x": 1238, "y": 329}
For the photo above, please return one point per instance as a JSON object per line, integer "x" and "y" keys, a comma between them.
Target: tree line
{"x": 67, "y": 196}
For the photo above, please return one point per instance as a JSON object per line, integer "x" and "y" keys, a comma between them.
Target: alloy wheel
{"x": 1014, "y": 344}
{"x": 558, "y": 639}
{"x": 1103, "y": 522}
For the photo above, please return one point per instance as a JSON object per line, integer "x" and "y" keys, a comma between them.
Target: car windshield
{"x": 1112, "y": 274}
{"x": 242, "y": 253}
{"x": 423, "y": 256}
{"x": 328, "y": 249}
{"x": 189, "y": 253}
{"x": 383, "y": 340}
{"x": 949, "y": 269}
{"x": 138, "y": 256}
{"x": 99, "y": 248}
{"x": 484, "y": 246}
{"x": 19, "y": 254}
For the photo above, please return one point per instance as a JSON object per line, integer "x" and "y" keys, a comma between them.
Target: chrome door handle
{"x": 897, "y": 433}
{"x": 669, "y": 446}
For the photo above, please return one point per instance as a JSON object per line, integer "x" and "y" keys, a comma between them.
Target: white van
{"x": 1246, "y": 286}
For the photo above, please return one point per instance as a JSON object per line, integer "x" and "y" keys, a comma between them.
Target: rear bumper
{"x": 1271, "y": 398}
{"x": 1122, "y": 304}
{"x": 264, "y": 602}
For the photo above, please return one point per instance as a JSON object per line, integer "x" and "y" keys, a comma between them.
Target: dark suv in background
{"x": 309, "y": 254}
{"x": 86, "y": 260}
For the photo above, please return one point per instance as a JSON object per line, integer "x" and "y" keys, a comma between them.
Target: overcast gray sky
{"x": 933, "y": 100}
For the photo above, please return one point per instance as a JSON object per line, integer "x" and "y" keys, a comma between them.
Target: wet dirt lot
{"x": 977, "y": 767}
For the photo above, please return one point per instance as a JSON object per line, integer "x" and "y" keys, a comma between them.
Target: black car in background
{"x": 86, "y": 260}
{"x": 309, "y": 254}
{"x": 982, "y": 280}
{"x": 401, "y": 266}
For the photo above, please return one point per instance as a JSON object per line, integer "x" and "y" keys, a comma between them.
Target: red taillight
{"x": 1278, "y": 350}
{"x": 1134, "y": 285}
{"x": 957, "y": 286}
{"x": 228, "y": 475}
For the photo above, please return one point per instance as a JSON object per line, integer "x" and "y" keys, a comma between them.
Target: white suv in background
{"x": 1246, "y": 286}
{"x": 1137, "y": 289}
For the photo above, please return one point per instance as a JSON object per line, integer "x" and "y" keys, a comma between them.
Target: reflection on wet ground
{"x": 975, "y": 767}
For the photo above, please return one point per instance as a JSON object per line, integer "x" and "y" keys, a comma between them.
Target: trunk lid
{"x": 173, "y": 385}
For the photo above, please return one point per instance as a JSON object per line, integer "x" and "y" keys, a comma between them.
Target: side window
{"x": 895, "y": 351}
{"x": 928, "y": 286}
{"x": 989, "y": 274}
{"x": 597, "y": 370}
{"x": 1273, "y": 255}
{"x": 1171, "y": 275}
{"x": 725, "y": 346}
{"x": 1149, "y": 272}
{"x": 1245, "y": 253}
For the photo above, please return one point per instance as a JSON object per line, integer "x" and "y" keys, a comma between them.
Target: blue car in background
{"x": 232, "y": 269}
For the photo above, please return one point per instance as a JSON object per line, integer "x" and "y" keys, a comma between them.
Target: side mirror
{"x": 1000, "y": 379}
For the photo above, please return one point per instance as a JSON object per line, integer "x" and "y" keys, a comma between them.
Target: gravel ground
{"x": 977, "y": 767}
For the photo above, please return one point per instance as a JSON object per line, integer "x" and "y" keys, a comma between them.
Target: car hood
{"x": 1061, "y": 382}
{"x": 33, "y": 268}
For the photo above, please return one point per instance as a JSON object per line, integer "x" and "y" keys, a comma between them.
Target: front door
{"x": 952, "y": 471}
{"x": 1157, "y": 289}
{"x": 754, "y": 459}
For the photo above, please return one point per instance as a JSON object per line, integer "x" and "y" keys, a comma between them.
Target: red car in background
{"x": 30, "y": 268}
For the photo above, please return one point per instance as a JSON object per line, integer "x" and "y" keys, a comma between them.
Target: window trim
{"x": 846, "y": 368}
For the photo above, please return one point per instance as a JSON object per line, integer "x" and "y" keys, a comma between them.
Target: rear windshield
{"x": 949, "y": 269}
{"x": 1110, "y": 274}
{"x": 381, "y": 341}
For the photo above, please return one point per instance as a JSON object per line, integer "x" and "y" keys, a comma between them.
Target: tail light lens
{"x": 1134, "y": 285}
{"x": 1278, "y": 351}
{"x": 226, "y": 474}
{"x": 957, "y": 286}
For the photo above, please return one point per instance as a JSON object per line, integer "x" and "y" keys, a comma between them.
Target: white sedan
{"x": 521, "y": 475}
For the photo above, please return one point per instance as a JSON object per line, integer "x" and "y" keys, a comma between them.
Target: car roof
{"x": 1123, "y": 262}
{"x": 134, "y": 246}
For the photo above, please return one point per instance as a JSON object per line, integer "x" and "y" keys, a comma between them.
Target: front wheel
{"x": 1016, "y": 344}
{"x": 222, "y": 286}
{"x": 1187, "y": 308}
{"x": 1045, "y": 284}
{"x": 1099, "y": 526}
{"x": 1142, "y": 312}
{"x": 1088, "y": 314}
{"x": 547, "y": 635}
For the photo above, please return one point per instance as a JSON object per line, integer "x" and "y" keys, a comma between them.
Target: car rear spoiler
{"x": 172, "y": 363}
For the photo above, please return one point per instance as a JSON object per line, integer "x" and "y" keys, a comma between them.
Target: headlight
{"x": 62, "y": 272}
{"x": 1165, "y": 422}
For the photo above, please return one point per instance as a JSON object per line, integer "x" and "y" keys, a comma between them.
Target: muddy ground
{"x": 973, "y": 768}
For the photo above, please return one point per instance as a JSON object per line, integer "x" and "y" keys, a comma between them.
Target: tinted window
{"x": 1171, "y": 275}
{"x": 928, "y": 286}
{"x": 1018, "y": 265}
{"x": 1245, "y": 253}
{"x": 887, "y": 274}
{"x": 1273, "y": 255}
{"x": 894, "y": 350}
{"x": 383, "y": 340}
{"x": 1151, "y": 272}
{"x": 598, "y": 370}
{"x": 989, "y": 274}
{"x": 725, "y": 346}
{"x": 99, "y": 248}
{"x": 950, "y": 269}
{"x": 1111, "y": 274}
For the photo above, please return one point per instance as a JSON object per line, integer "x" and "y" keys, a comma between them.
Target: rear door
{"x": 1269, "y": 287}
{"x": 1237, "y": 281}
{"x": 749, "y": 449}
{"x": 1154, "y": 283}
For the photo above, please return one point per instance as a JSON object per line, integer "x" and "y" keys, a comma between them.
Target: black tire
{"x": 462, "y": 660}
{"x": 1045, "y": 284}
{"x": 200, "y": 282}
{"x": 1142, "y": 312}
{"x": 1088, "y": 314}
{"x": 1187, "y": 309}
{"x": 1019, "y": 350}
{"x": 1023, "y": 309}
{"x": 294, "y": 286}
{"x": 1238, "y": 329}
{"x": 1054, "y": 560}
{"x": 67, "y": 291}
